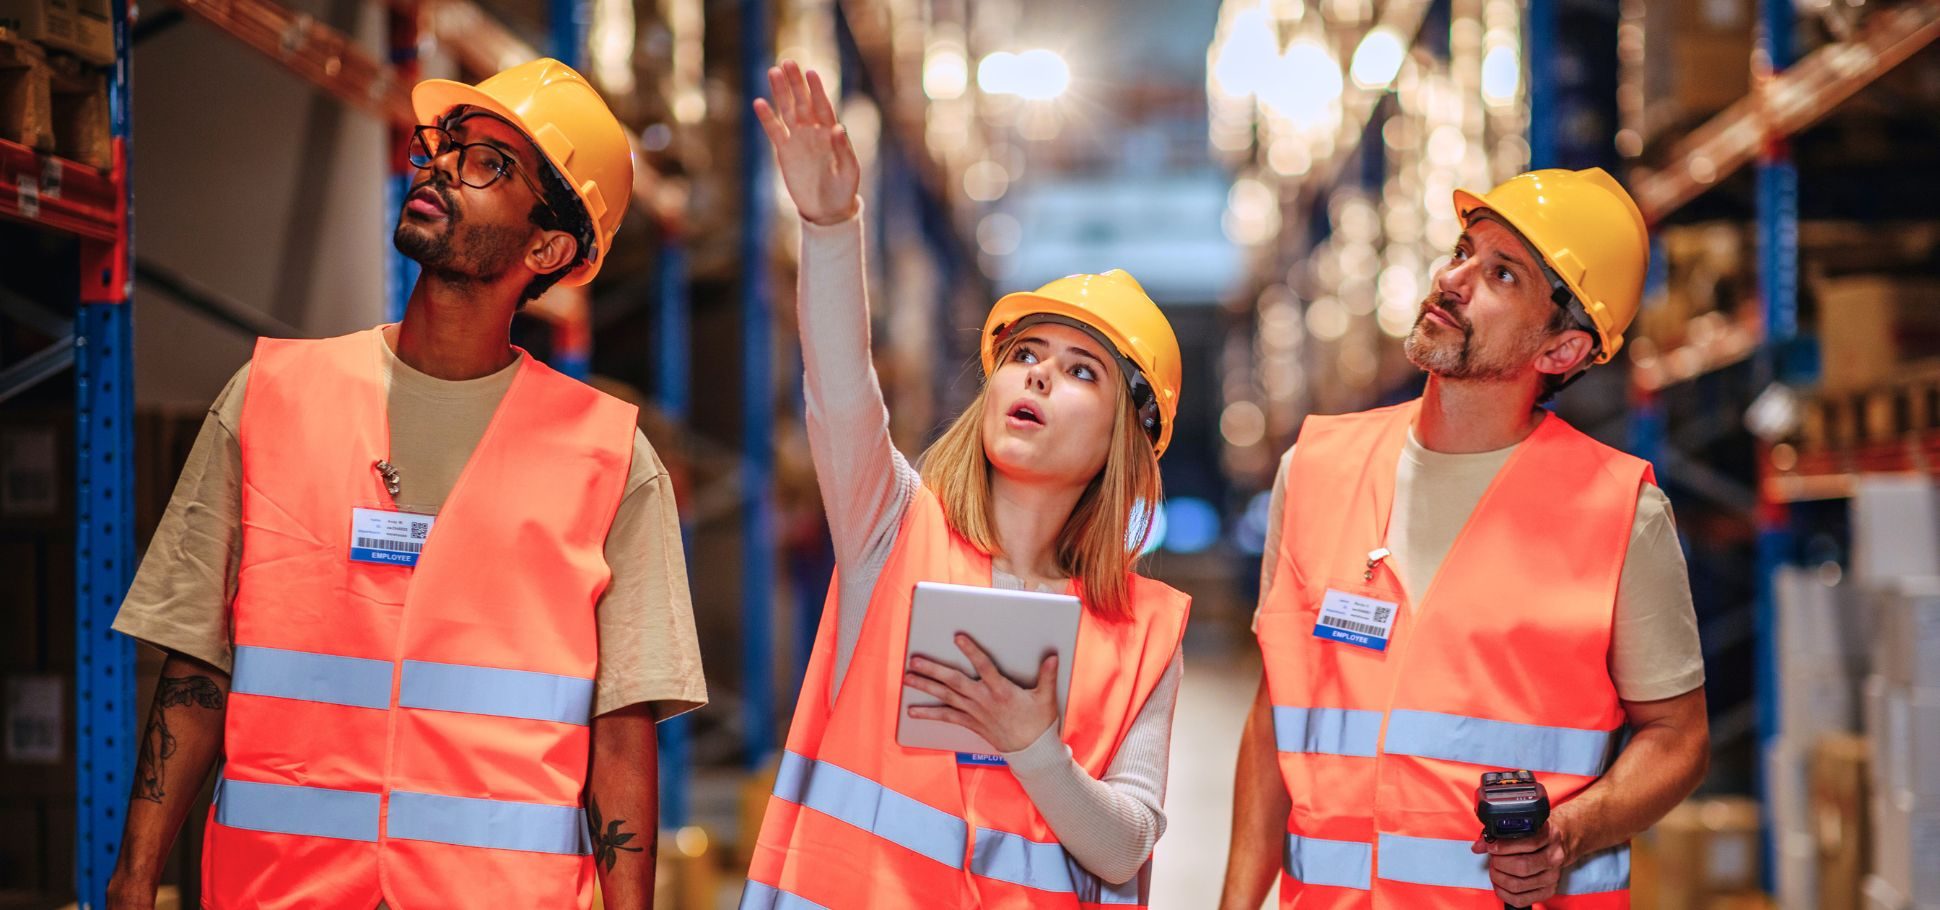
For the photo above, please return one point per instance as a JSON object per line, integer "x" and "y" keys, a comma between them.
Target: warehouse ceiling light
{"x": 1501, "y": 75}
{"x": 1034, "y": 75}
{"x": 946, "y": 74}
{"x": 1247, "y": 58}
{"x": 1305, "y": 87}
{"x": 1378, "y": 59}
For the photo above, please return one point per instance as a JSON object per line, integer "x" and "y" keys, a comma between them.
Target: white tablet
{"x": 1018, "y": 629}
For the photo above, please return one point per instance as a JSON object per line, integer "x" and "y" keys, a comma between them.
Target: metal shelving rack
{"x": 1793, "y": 95}
{"x": 95, "y": 208}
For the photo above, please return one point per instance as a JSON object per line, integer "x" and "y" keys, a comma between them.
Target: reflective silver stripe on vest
{"x": 286, "y": 809}
{"x": 1337, "y": 863}
{"x": 500, "y": 693}
{"x": 358, "y": 682}
{"x": 846, "y": 795}
{"x": 1330, "y": 731}
{"x": 1499, "y": 744}
{"x": 491, "y": 823}
{"x": 1046, "y": 866}
{"x": 1450, "y": 864}
{"x": 757, "y": 896}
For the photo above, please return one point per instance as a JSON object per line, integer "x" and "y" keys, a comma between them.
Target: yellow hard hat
{"x": 1589, "y": 232}
{"x": 570, "y": 124}
{"x": 1115, "y": 308}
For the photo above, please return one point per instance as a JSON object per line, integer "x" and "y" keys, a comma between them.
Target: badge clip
{"x": 1374, "y": 558}
{"x": 389, "y": 473}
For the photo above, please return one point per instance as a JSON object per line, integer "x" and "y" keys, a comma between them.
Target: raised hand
{"x": 812, "y": 150}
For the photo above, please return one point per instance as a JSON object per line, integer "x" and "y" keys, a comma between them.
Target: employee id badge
{"x": 1356, "y": 618}
{"x": 388, "y": 537}
{"x": 1359, "y": 614}
{"x": 982, "y": 760}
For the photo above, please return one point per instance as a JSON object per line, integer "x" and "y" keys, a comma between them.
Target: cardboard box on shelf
{"x": 1839, "y": 790}
{"x": 1906, "y": 840}
{"x": 1878, "y": 894}
{"x": 1793, "y": 839}
{"x": 1692, "y": 60}
{"x": 1870, "y": 324}
{"x": 1907, "y": 647}
{"x": 84, "y": 28}
{"x": 1707, "y": 851}
{"x": 1895, "y": 529}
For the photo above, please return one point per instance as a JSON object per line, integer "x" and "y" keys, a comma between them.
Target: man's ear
{"x": 551, "y": 251}
{"x": 1566, "y": 353}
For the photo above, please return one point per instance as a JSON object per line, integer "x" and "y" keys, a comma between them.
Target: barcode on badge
{"x": 1352, "y": 626}
{"x": 398, "y": 546}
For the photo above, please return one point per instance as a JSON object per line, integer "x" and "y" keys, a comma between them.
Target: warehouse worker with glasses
{"x": 422, "y": 594}
{"x": 1463, "y": 584}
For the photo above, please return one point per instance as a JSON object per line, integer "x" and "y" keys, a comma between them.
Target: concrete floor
{"x": 1190, "y": 860}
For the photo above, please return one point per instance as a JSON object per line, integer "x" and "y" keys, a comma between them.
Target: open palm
{"x": 818, "y": 165}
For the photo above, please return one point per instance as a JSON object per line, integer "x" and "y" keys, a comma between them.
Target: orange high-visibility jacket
{"x": 858, "y": 821}
{"x": 418, "y": 735}
{"x": 1501, "y": 664}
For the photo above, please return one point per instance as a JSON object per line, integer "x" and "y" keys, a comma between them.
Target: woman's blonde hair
{"x": 1101, "y": 541}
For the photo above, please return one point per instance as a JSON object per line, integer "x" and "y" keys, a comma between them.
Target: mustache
{"x": 1434, "y": 301}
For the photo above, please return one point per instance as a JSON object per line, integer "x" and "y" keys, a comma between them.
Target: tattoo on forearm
{"x": 608, "y": 839}
{"x": 157, "y": 743}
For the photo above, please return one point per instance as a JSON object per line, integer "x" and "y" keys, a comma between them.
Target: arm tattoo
{"x": 158, "y": 744}
{"x": 608, "y": 839}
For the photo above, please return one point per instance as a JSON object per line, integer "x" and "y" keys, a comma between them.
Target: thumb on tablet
{"x": 1047, "y": 672}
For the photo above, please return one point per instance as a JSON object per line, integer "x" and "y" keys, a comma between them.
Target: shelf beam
{"x": 1786, "y": 104}
{"x": 319, "y": 54}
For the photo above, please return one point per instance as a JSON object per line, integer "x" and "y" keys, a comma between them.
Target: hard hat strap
{"x": 1145, "y": 402}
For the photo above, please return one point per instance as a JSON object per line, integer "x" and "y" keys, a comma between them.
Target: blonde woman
{"x": 1038, "y": 485}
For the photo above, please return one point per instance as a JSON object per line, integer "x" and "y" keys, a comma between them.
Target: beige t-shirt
{"x": 648, "y": 652}
{"x": 1654, "y": 648}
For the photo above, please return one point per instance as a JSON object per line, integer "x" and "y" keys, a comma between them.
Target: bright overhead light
{"x": 1306, "y": 85}
{"x": 1501, "y": 74}
{"x": 1245, "y": 60}
{"x": 1034, "y": 75}
{"x": 945, "y": 73}
{"x": 1378, "y": 59}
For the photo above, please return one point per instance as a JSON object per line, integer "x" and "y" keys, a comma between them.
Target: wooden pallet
{"x": 25, "y": 95}
{"x": 52, "y": 102}
{"x": 1908, "y": 406}
{"x": 78, "y": 111}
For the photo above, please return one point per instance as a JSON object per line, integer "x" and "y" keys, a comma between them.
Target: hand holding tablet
{"x": 988, "y": 670}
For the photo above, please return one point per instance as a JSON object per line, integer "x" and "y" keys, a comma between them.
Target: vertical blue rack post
{"x": 671, "y": 332}
{"x": 1778, "y": 274}
{"x": 400, "y": 273}
{"x": 104, "y": 551}
{"x": 757, "y": 405}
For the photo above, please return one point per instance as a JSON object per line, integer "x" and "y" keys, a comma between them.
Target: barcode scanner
{"x": 1511, "y": 805}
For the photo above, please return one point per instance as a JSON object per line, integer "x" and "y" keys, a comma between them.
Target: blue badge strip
{"x": 1352, "y": 638}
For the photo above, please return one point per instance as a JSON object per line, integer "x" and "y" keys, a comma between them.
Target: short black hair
{"x": 560, "y": 211}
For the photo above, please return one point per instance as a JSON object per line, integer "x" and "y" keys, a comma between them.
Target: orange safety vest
{"x": 415, "y": 735}
{"x": 858, "y": 821}
{"x": 1501, "y": 664}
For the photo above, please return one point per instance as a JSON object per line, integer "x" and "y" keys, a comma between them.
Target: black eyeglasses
{"x": 480, "y": 164}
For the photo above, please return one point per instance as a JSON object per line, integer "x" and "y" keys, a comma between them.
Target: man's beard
{"x": 1452, "y": 353}
{"x": 456, "y": 251}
